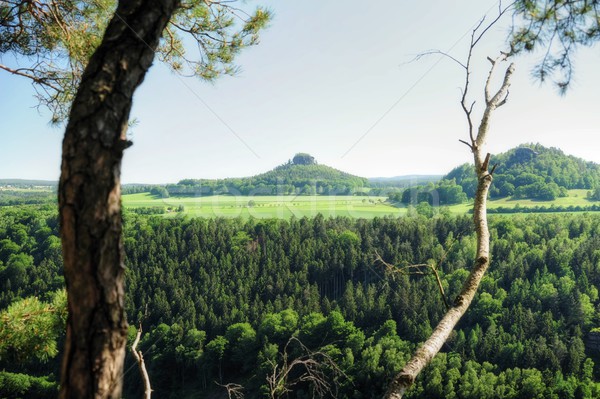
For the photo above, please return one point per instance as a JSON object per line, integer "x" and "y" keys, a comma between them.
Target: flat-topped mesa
{"x": 302, "y": 158}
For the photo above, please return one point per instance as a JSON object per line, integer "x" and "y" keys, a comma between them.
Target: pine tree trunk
{"x": 90, "y": 199}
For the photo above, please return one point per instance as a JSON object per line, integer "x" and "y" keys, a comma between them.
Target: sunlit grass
{"x": 285, "y": 206}
{"x": 576, "y": 197}
{"x": 268, "y": 206}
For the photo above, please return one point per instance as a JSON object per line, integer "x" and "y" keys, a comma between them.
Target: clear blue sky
{"x": 323, "y": 75}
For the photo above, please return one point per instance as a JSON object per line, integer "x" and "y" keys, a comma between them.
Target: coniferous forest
{"x": 262, "y": 305}
{"x": 138, "y": 298}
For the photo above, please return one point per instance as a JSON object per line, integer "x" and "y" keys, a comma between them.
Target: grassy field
{"x": 268, "y": 206}
{"x": 575, "y": 198}
{"x": 299, "y": 206}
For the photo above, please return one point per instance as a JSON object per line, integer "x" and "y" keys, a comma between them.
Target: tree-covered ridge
{"x": 532, "y": 171}
{"x": 302, "y": 175}
{"x": 217, "y": 289}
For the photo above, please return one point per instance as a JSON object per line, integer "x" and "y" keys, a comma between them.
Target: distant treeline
{"x": 9, "y": 197}
{"x": 444, "y": 192}
{"x": 403, "y": 181}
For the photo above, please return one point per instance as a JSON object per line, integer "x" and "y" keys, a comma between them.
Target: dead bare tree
{"x": 405, "y": 379}
{"x": 309, "y": 367}
{"x": 234, "y": 391}
{"x": 141, "y": 365}
{"x": 421, "y": 269}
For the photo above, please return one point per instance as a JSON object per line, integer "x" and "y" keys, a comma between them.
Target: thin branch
{"x": 501, "y": 12}
{"x": 434, "y": 52}
{"x": 418, "y": 270}
{"x": 467, "y": 144}
{"x": 493, "y": 169}
{"x": 234, "y": 391}
{"x": 440, "y": 287}
{"x": 311, "y": 365}
{"x": 36, "y": 79}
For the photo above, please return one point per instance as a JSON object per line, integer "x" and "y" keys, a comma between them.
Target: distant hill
{"x": 532, "y": 171}
{"x": 300, "y": 175}
{"x": 403, "y": 181}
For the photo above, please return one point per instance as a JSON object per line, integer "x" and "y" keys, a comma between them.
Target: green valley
{"x": 228, "y": 285}
{"x": 286, "y": 206}
{"x": 227, "y": 301}
{"x": 302, "y": 187}
{"x": 167, "y": 240}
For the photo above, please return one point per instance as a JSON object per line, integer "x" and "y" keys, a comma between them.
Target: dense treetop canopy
{"x": 315, "y": 279}
{"x": 533, "y": 171}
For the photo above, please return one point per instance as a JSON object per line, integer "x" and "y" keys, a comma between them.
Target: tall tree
{"x": 95, "y": 138}
{"x": 493, "y": 100}
{"x": 89, "y": 199}
{"x": 559, "y": 27}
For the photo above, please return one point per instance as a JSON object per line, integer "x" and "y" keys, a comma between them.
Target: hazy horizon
{"x": 405, "y": 176}
{"x": 316, "y": 83}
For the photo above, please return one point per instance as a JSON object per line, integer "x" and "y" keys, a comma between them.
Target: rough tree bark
{"x": 405, "y": 379}
{"x": 89, "y": 199}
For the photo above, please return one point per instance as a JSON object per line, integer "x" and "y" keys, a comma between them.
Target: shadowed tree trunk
{"x": 89, "y": 199}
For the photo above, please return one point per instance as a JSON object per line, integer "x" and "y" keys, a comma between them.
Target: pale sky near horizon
{"x": 334, "y": 82}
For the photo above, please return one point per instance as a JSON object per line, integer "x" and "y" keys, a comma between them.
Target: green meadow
{"x": 267, "y": 206}
{"x": 286, "y": 206}
{"x": 575, "y": 198}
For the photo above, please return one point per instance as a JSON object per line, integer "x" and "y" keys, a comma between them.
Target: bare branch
{"x": 486, "y": 162}
{"x": 30, "y": 75}
{"x": 310, "y": 365}
{"x": 234, "y": 391}
{"x": 501, "y": 11}
{"x": 493, "y": 169}
{"x": 467, "y": 144}
{"x": 439, "y": 52}
{"x": 494, "y": 102}
{"x": 440, "y": 287}
{"x": 418, "y": 269}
